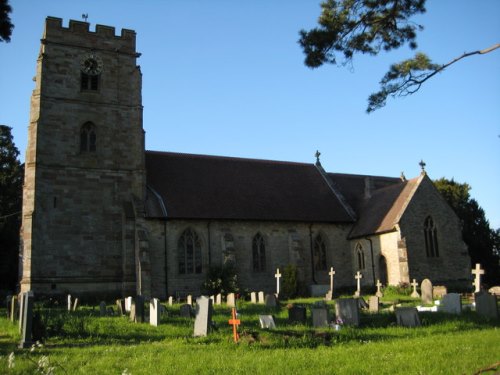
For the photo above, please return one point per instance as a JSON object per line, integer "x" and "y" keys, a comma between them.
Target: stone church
{"x": 103, "y": 215}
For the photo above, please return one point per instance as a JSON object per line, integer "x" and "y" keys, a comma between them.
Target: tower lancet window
{"x": 88, "y": 138}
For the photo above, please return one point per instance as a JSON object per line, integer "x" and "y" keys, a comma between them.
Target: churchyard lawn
{"x": 82, "y": 342}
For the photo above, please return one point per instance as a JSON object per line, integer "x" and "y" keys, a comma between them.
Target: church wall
{"x": 453, "y": 262}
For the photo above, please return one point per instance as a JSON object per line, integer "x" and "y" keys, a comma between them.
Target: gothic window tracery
{"x": 189, "y": 253}
{"x": 89, "y": 82}
{"x": 431, "y": 241}
{"x": 360, "y": 257}
{"x": 319, "y": 253}
{"x": 259, "y": 253}
{"x": 88, "y": 138}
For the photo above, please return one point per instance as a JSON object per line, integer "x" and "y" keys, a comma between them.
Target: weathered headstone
{"x": 189, "y": 299}
{"x": 414, "y": 294}
{"x": 486, "y": 305}
{"x": 495, "y": 290}
{"x": 203, "y": 319}
{"x": 319, "y": 316}
{"x": 452, "y": 303}
{"x": 218, "y": 299}
{"x": 110, "y": 311}
{"x": 271, "y": 300}
{"x": 426, "y": 290}
{"x": 231, "y": 300}
{"x": 253, "y": 297}
{"x": 328, "y": 296}
{"x": 128, "y": 304}
{"x": 266, "y": 322}
{"x": 362, "y": 303}
{"x": 358, "y": 278}
{"x": 120, "y": 307}
{"x": 261, "y": 298}
{"x": 27, "y": 320}
{"x": 154, "y": 312}
{"x": 69, "y": 302}
{"x": 212, "y": 298}
{"x": 186, "y": 311}
{"x": 138, "y": 306}
{"x": 12, "y": 308}
{"x": 379, "y": 289}
{"x": 170, "y": 301}
{"x": 297, "y": 314}
{"x": 439, "y": 291}
{"x": 477, "y": 272}
{"x": 21, "y": 312}
{"x": 102, "y": 308}
{"x": 277, "y": 275}
{"x": 347, "y": 310}
{"x": 75, "y": 304}
{"x": 407, "y": 317}
{"x": 374, "y": 303}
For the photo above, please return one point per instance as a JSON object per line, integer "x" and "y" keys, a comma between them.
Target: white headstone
{"x": 189, "y": 299}
{"x": 477, "y": 280}
{"x": 128, "y": 304}
{"x": 358, "y": 278}
{"x": 262, "y": 297}
{"x": 203, "y": 319}
{"x": 331, "y": 273}
{"x": 154, "y": 312}
{"x": 218, "y": 299}
{"x": 253, "y": 297}
{"x": 231, "y": 300}
{"x": 69, "y": 302}
{"x": 170, "y": 301}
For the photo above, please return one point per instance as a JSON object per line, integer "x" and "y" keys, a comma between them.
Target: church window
{"x": 259, "y": 253}
{"x": 88, "y": 138}
{"x": 319, "y": 253}
{"x": 360, "y": 257}
{"x": 189, "y": 252}
{"x": 431, "y": 241}
{"x": 89, "y": 82}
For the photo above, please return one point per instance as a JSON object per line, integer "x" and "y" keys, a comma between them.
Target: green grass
{"x": 83, "y": 343}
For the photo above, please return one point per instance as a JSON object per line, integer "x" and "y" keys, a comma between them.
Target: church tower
{"x": 84, "y": 172}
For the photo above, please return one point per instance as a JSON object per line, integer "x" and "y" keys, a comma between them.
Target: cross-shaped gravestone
{"x": 235, "y": 323}
{"x": 331, "y": 273}
{"x": 414, "y": 294}
{"x": 277, "y": 276}
{"x": 358, "y": 278}
{"x": 477, "y": 281}
{"x": 379, "y": 291}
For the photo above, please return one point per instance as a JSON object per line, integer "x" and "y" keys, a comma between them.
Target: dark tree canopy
{"x": 6, "y": 25}
{"x": 483, "y": 242}
{"x": 11, "y": 180}
{"x": 347, "y": 27}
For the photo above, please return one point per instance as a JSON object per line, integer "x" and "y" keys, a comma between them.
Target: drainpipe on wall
{"x": 373, "y": 264}
{"x": 312, "y": 254}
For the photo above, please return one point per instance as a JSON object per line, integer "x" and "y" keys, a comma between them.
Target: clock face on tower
{"x": 91, "y": 64}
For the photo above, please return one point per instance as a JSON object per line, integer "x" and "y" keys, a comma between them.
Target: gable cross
{"x": 422, "y": 165}
{"x": 277, "y": 276}
{"x": 477, "y": 281}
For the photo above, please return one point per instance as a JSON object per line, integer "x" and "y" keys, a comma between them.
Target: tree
{"x": 11, "y": 180}
{"x": 6, "y": 25}
{"x": 348, "y": 27}
{"x": 483, "y": 242}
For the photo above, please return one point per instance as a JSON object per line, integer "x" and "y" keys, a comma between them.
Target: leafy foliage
{"x": 221, "y": 279}
{"x": 290, "y": 282}
{"x": 6, "y": 25}
{"x": 483, "y": 242}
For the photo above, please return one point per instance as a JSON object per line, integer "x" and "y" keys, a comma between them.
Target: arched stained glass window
{"x": 259, "y": 253}
{"x": 189, "y": 252}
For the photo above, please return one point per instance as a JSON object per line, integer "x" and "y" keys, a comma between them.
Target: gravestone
{"x": 189, "y": 299}
{"x": 452, "y": 303}
{"x": 110, "y": 311}
{"x": 297, "y": 314}
{"x": 102, "y": 308}
{"x": 261, "y": 298}
{"x": 253, "y": 297}
{"x": 132, "y": 313}
{"x": 138, "y": 307}
{"x": 128, "y": 304}
{"x": 218, "y": 299}
{"x": 347, "y": 310}
{"x": 426, "y": 290}
{"x": 120, "y": 307}
{"x": 362, "y": 303}
{"x": 75, "y": 304}
{"x": 379, "y": 289}
{"x": 186, "y": 311}
{"x": 319, "y": 316}
{"x": 414, "y": 294}
{"x": 266, "y": 322}
{"x": 495, "y": 290}
{"x": 12, "y": 308}
{"x": 27, "y": 320}
{"x": 170, "y": 301}
{"x": 69, "y": 302}
{"x": 407, "y": 317}
{"x": 213, "y": 300}
{"x": 329, "y": 296}
{"x": 374, "y": 304}
{"x": 486, "y": 305}
{"x": 277, "y": 275}
{"x": 154, "y": 312}
{"x": 231, "y": 300}
{"x": 203, "y": 319}
{"x": 358, "y": 278}
{"x": 271, "y": 300}
{"x": 439, "y": 291}
{"x": 21, "y": 312}
{"x": 477, "y": 272}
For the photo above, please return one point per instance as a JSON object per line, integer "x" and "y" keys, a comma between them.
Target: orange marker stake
{"x": 235, "y": 322}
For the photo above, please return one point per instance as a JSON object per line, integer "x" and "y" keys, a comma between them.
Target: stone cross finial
{"x": 277, "y": 276}
{"x": 358, "y": 278}
{"x": 477, "y": 281}
{"x": 85, "y": 16}
{"x": 422, "y": 165}
{"x": 331, "y": 273}
{"x": 317, "y": 155}
{"x": 402, "y": 177}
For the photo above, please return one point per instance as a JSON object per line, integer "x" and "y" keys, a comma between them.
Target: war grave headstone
{"x": 426, "y": 290}
{"x": 213, "y": 300}
{"x": 477, "y": 272}
{"x": 407, "y": 317}
{"x": 186, "y": 311}
{"x": 170, "y": 301}
{"x": 102, "y": 308}
{"x": 154, "y": 312}
{"x": 277, "y": 275}
{"x": 189, "y": 299}
{"x": 253, "y": 297}
{"x": 271, "y": 300}
{"x": 486, "y": 305}
{"x": 320, "y": 316}
{"x": 128, "y": 304}
{"x": 452, "y": 303}
{"x": 414, "y": 293}
{"x": 267, "y": 322}
{"x": 297, "y": 314}
{"x": 379, "y": 289}
{"x": 75, "y": 304}
{"x": 358, "y": 278}
{"x": 69, "y": 304}
{"x": 120, "y": 307}
{"x": 439, "y": 291}
{"x": 347, "y": 310}
{"x": 203, "y": 320}
{"x": 27, "y": 320}
{"x": 231, "y": 300}
{"x": 218, "y": 299}
{"x": 374, "y": 303}
{"x": 12, "y": 309}
{"x": 261, "y": 297}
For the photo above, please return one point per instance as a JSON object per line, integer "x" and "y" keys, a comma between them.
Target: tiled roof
{"x": 211, "y": 187}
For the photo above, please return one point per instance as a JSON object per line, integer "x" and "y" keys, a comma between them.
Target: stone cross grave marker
{"x": 235, "y": 323}
{"x": 297, "y": 314}
{"x": 347, "y": 310}
{"x": 452, "y": 303}
{"x": 261, "y": 297}
{"x": 267, "y": 322}
{"x": 69, "y": 302}
{"x": 277, "y": 276}
{"x": 486, "y": 305}
{"x": 319, "y": 316}
{"x": 358, "y": 278}
{"x": 374, "y": 303}
{"x": 331, "y": 273}
{"x": 231, "y": 300}
{"x": 102, "y": 308}
{"x": 27, "y": 320}
{"x": 253, "y": 297}
{"x": 414, "y": 294}
{"x": 203, "y": 320}
{"x": 379, "y": 290}
{"x": 407, "y": 317}
{"x": 426, "y": 290}
{"x": 271, "y": 300}
{"x": 154, "y": 312}
{"x": 477, "y": 280}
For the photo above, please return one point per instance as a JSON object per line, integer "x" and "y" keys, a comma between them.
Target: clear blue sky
{"x": 227, "y": 78}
